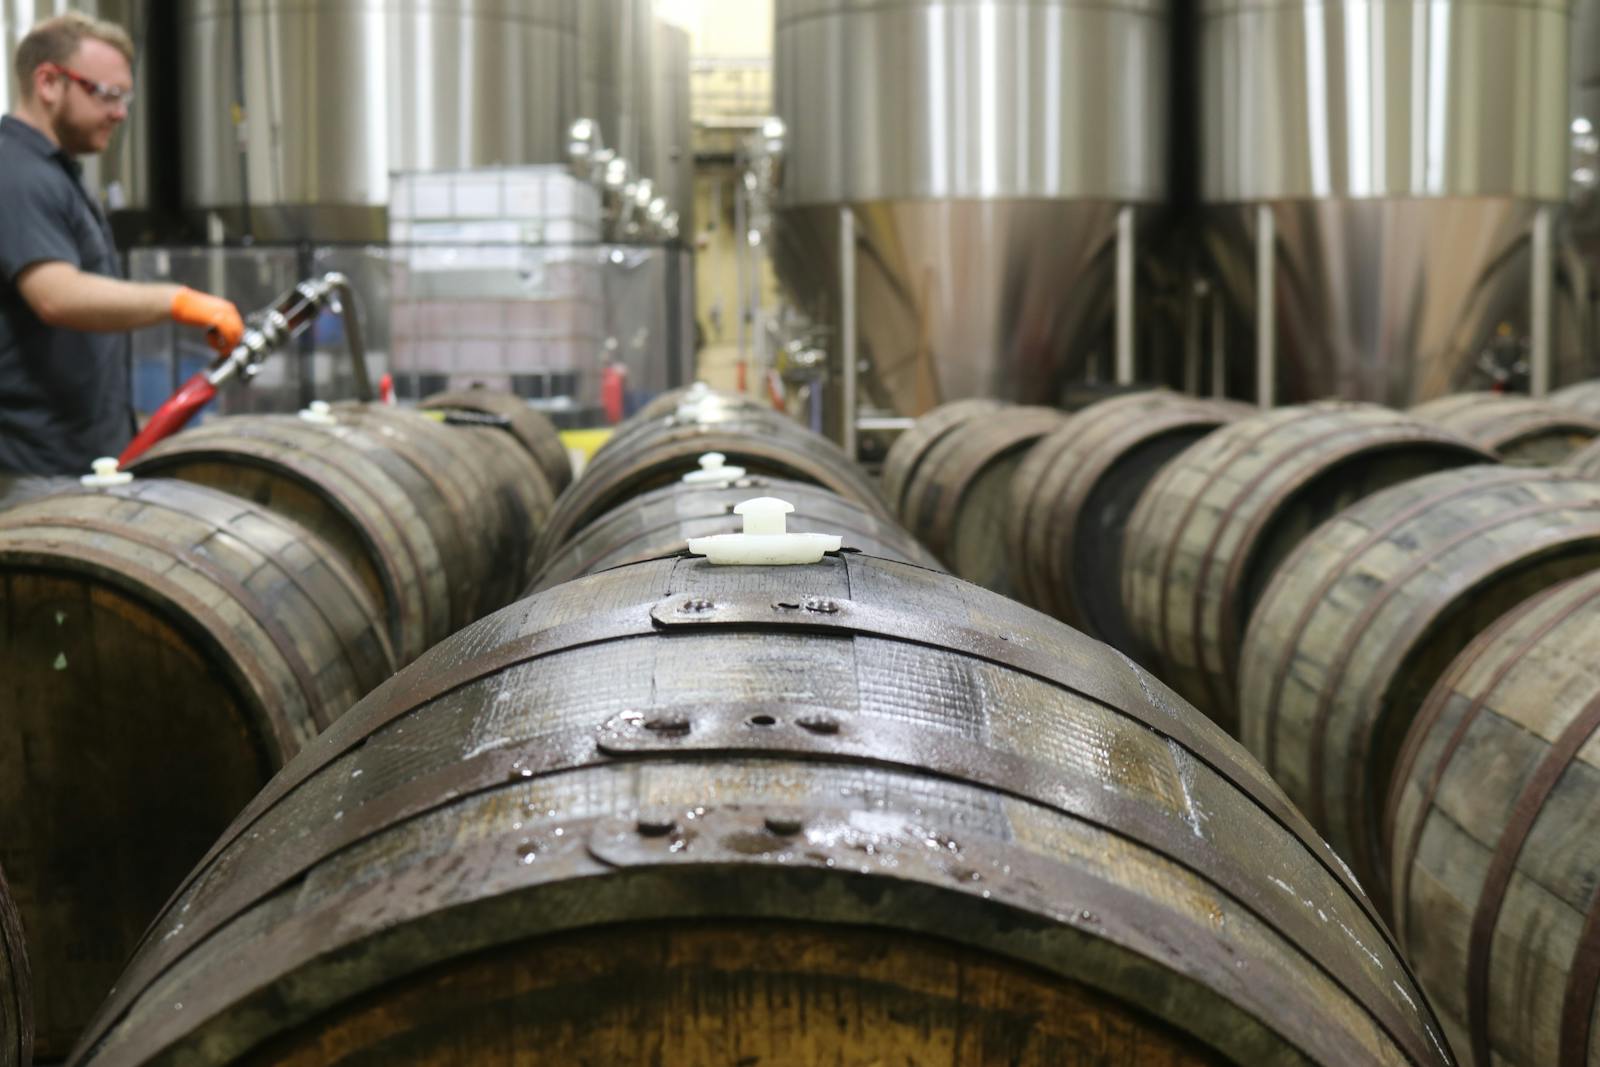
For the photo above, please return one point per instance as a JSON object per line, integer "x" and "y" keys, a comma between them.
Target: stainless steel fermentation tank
{"x": 978, "y": 156}
{"x": 339, "y": 93}
{"x": 671, "y": 166}
{"x": 1384, "y": 180}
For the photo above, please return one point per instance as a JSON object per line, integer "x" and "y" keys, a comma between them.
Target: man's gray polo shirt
{"x": 64, "y": 395}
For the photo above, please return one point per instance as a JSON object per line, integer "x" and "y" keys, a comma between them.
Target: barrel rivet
{"x": 698, "y": 606}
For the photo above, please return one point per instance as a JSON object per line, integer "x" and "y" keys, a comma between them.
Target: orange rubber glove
{"x": 218, "y": 317}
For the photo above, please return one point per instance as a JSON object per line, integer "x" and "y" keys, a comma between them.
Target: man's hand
{"x": 218, "y": 317}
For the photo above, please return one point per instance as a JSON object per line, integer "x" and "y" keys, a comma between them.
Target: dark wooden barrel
{"x": 439, "y": 521}
{"x": 958, "y": 500}
{"x": 1361, "y": 621}
{"x": 707, "y": 402}
{"x": 164, "y": 648}
{"x": 1073, "y": 494}
{"x": 911, "y": 447}
{"x": 531, "y": 428}
{"x": 1214, "y": 524}
{"x": 853, "y": 812}
{"x": 662, "y": 520}
{"x": 1583, "y": 397}
{"x": 1494, "y": 832}
{"x": 661, "y": 452}
{"x": 1518, "y": 429}
{"x": 16, "y": 991}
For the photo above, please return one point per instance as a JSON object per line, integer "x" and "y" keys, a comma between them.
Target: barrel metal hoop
{"x": 1083, "y": 902}
{"x": 961, "y": 467}
{"x": 1285, "y": 660}
{"x": 1503, "y": 863}
{"x": 194, "y": 561}
{"x": 1433, "y": 710}
{"x": 760, "y": 729}
{"x": 272, "y": 453}
{"x": 334, "y": 566}
{"x": 1403, "y": 642}
{"x": 1583, "y": 984}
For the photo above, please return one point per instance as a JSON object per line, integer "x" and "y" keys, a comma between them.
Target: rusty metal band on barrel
{"x": 272, "y": 453}
{"x": 1400, "y": 644}
{"x": 725, "y": 729}
{"x": 1433, "y": 710}
{"x": 331, "y": 563}
{"x": 1502, "y": 865}
{"x": 255, "y": 610}
{"x": 891, "y": 625}
{"x": 1347, "y": 557}
{"x": 1121, "y": 918}
{"x": 1232, "y": 585}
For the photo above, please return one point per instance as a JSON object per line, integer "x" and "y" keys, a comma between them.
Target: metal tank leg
{"x": 1266, "y": 325}
{"x": 1539, "y": 305}
{"x": 1125, "y": 296}
{"x": 847, "y": 329}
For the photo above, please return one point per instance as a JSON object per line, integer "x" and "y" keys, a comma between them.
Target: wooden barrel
{"x": 1583, "y": 397}
{"x": 1494, "y": 832}
{"x": 911, "y": 447}
{"x": 531, "y": 428}
{"x": 164, "y": 648}
{"x": 1214, "y": 524}
{"x": 708, "y": 403}
{"x": 661, "y": 452}
{"x": 1360, "y": 622}
{"x": 853, "y": 812}
{"x": 957, "y": 502}
{"x": 1073, "y": 494}
{"x": 439, "y": 521}
{"x": 662, "y": 520}
{"x": 1586, "y": 461}
{"x": 16, "y": 993}
{"x": 1518, "y": 429}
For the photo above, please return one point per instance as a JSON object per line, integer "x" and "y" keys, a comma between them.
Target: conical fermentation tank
{"x": 1383, "y": 181}
{"x": 984, "y": 151}
{"x": 339, "y": 93}
{"x": 672, "y": 168}
{"x": 617, "y": 41}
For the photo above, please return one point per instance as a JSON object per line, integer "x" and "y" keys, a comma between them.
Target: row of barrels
{"x": 166, "y": 645}
{"x": 851, "y": 811}
{"x": 1314, "y": 579}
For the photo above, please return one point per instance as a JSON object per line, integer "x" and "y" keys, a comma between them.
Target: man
{"x": 64, "y": 308}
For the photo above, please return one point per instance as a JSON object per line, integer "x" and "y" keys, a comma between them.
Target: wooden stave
{"x": 1193, "y": 631}
{"x": 1496, "y": 954}
{"x": 936, "y": 496}
{"x": 1054, "y": 484}
{"x": 662, "y": 452}
{"x": 262, "y": 605}
{"x": 1518, "y": 429}
{"x": 658, "y": 523}
{"x": 907, "y": 452}
{"x": 16, "y": 993}
{"x": 531, "y": 428}
{"x": 692, "y": 579}
{"x": 1554, "y": 535}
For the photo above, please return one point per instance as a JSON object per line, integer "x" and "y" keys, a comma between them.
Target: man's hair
{"x": 56, "y": 40}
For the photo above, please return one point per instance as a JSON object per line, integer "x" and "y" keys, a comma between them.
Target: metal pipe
{"x": 1219, "y": 345}
{"x": 1125, "y": 296}
{"x": 1266, "y": 326}
{"x": 1193, "y": 309}
{"x": 1540, "y": 358}
{"x": 348, "y": 308}
{"x": 847, "y": 327}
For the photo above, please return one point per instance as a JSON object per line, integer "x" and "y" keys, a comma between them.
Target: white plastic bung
{"x": 693, "y": 397}
{"x": 105, "y": 473}
{"x": 318, "y": 412}
{"x": 714, "y": 471}
{"x": 765, "y": 540}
